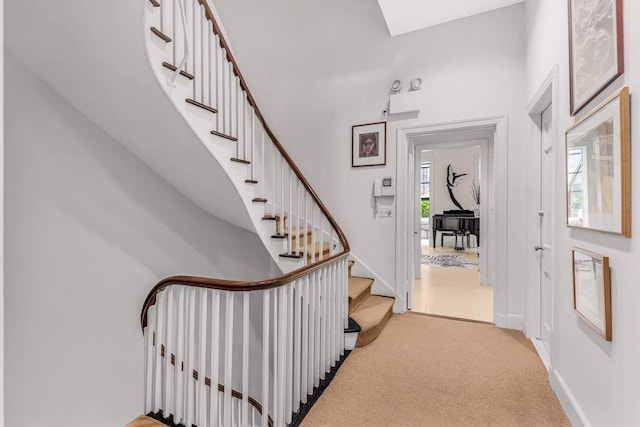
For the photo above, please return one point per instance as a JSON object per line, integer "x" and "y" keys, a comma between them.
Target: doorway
{"x": 449, "y": 176}
{"x": 493, "y": 212}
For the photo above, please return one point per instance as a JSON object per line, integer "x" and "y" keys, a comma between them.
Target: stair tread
{"x": 358, "y": 286}
{"x": 165, "y": 38}
{"x": 143, "y": 421}
{"x": 372, "y": 315}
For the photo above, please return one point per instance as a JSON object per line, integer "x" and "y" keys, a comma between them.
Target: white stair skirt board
{"x": 350, "y": 339}
{"x": 380, "y": 287}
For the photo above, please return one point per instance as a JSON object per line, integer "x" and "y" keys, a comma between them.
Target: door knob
{"x": 539, "y": 248}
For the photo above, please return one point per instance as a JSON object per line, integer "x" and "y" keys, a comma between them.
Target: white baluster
{"x": 202, "y": 32}
{"x": 180, "y": 350}
{"x": 306, "y": 221}
{"x": 275, "y": 181}
{"x": 297, "y": 343}
{"x": 318, "y": 328}
{"x": 298, "y": 216}
{"x": 193, "y": 37}
{"x": 323, "y": 323}
{"x": 263, "y": 173}
{"x": 289, "y": 289}
{"x": 245, "y": 359}
{"x": 312, "y": 337}
{"x": 149, "y": 337}
{"x": 209, "y": 63}
{"x": 276, "y": 357}
{"x": 202, "y": 359}
{"x": 215, "y": 352}
{"x": 266, "y": 304}
{"x": 160, "y": 331}
{"x": 169, "y": 375}
{"x": 282, "y": 350}
{"x": 218, "y": 78}
{"x": 305, "y": 339}
{"x": 190, "y": 362}
{"x": 290, "y": 247}
{"x": 228, "y": 362}
{"x": 282, "y": 195}
{"x": 313, "y": 235}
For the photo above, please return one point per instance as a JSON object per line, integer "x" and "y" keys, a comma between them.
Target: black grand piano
{"x": 458, "y": 223}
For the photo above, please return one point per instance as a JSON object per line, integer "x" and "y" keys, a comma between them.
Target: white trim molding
{"x": 497, "y": 251}
{"x": 569, "y": 403}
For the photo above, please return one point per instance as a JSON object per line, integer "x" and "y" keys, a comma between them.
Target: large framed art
{"x": 592, "y": 290}
{"x": 596, "y": 51}
{"x": 599, "y": 168}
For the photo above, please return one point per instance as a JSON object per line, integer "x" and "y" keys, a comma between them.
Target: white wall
{"x": 90, "y": 229}
{"x": 320, "y": 67}
{"x": 600, "y": 377}
{"x": 2, "y": 214}
{"x": 462, "y": 160}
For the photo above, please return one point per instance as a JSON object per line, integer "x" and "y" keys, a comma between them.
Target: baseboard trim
{"x": 572, "y": 409}
{"x": 509, "y": 321}
{"x": 440, "y": 316}
{"x": 542, "y": 353}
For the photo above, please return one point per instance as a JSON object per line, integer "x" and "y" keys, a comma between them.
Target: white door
{"x": 545, "y": 248}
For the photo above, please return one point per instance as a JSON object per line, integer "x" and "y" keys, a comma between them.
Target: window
{"x": 425, "y": 172}
{"x": 424, "y": 180}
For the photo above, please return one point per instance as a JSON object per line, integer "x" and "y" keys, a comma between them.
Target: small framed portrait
{"x": 369, "y": 145}
{"x": 592, "y": 290}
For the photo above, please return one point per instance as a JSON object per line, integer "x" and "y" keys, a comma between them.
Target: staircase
{"x": 370, "y": 312}
{"x": 226, "y": 352}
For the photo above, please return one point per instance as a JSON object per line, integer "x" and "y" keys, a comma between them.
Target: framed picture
{"x": 599, "y": 169}
{"x": 369, "y": 145}
{"x": 592, "y": 290}
{"x": 596, "y": 51}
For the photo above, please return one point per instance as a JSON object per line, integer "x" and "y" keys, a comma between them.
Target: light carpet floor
{"x": 427, "y": 371}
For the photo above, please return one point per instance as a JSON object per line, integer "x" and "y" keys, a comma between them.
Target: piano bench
{"x": 448, "y": 234}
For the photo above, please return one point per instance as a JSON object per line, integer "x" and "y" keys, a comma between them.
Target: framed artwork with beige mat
{"x": 592, "y": 290}
{"x": 599, "y": 168}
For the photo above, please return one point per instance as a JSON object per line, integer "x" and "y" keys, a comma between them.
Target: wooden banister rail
{"x": 243, "y": 84}
{"x": 232, "y": 285}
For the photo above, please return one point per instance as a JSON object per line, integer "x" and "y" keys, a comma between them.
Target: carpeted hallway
{"x": 427, "y": 371}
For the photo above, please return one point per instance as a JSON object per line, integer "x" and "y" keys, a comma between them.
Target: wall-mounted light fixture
{"x": 408, "y": 102}
{"x": 396, "y": 86}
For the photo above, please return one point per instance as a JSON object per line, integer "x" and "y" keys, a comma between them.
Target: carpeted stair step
{"x": 326, "y": 249}
{"x": 372, "y": 315}
{"x": 143, "y": 421}
{"x": 359, "y": 290}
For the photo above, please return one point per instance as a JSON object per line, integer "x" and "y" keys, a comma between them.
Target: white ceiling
{"x": 404, "y": 16}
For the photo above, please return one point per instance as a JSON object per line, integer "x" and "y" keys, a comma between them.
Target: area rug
{"x": 457, "y": 261}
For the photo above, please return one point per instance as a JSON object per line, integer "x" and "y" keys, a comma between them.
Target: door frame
{"x": 546, "y": 95}
{"x": 497, "y": 240}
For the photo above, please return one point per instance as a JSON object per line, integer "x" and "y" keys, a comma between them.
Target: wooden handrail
{"x": 232, "y": 285}
{"x": 252, "y": 102}
{"x": 243, "y": 286}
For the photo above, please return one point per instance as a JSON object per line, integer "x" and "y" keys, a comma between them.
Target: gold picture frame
{"x": 592, "y": 290}
{"x": 598, "y": 179}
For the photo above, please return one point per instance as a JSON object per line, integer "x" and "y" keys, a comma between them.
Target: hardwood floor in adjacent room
{"x": 452, "y": 291}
